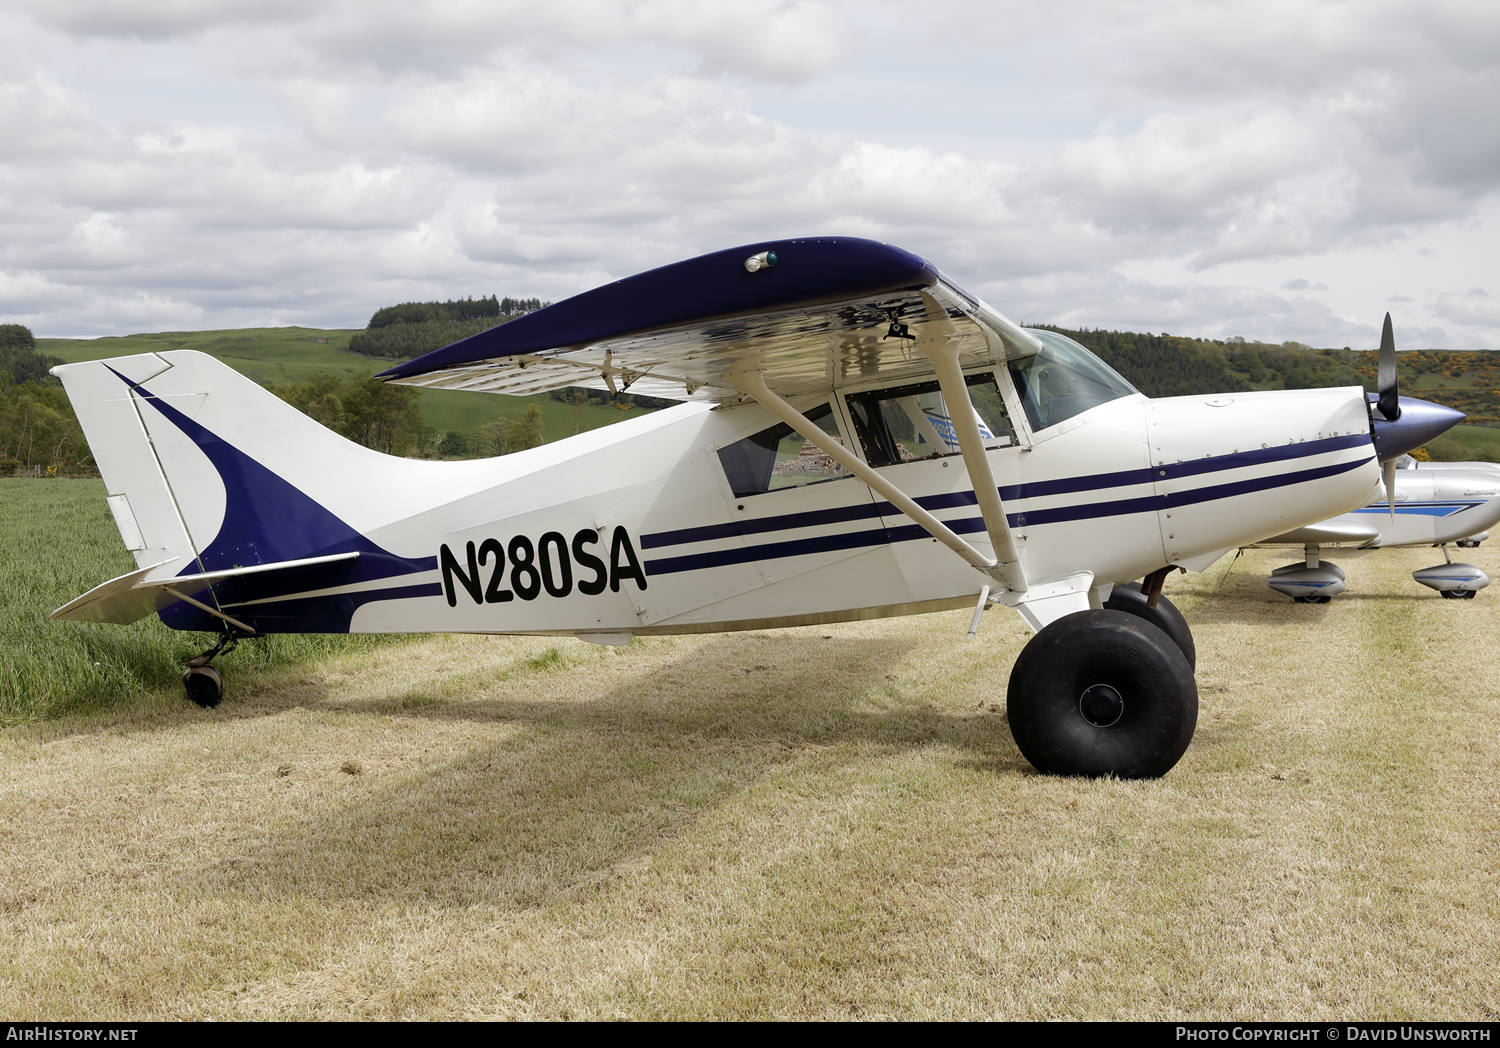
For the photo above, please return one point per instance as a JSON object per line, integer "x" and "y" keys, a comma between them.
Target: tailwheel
{"x": 204, "y": 686}
{"x": 1102, "y": 693}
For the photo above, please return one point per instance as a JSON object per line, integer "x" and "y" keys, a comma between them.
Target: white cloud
{"x": 451, "y": 147}
{"x": 1108, "y": 300}
{"x": 781, "y": 41}
{"x": 157, "y": 19}
{"x": 1475, "y": 306}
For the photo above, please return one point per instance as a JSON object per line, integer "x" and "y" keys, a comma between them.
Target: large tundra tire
{"x": 1102, "y": 693}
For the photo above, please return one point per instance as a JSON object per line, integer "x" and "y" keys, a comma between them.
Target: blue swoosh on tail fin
{"x": 267, "y": 520}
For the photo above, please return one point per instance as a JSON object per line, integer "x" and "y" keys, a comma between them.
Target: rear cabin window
{"x": 780, "y": 457}
{"x": 913, "y": 422}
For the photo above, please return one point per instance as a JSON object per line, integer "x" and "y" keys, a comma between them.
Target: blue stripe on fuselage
{"x": 1011, "y": 493}
{"x": 967, "y": 525}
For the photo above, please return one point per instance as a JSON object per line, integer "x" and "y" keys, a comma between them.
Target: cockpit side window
{"x": 780, "y": 457}
{"x": 1063, "y": 380}
{"x": 912, "y": 422}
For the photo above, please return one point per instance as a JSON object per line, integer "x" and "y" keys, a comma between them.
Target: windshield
{"x": 1063, "y": 380}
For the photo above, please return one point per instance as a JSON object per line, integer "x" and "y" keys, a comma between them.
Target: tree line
{"x": 504, "y": 436}
{"x": 1176, "y": 366}
{"x": 411, "y": 329}
{"x": 379, "y": 415}
{"x": 457, "y": 309}
{"x": 37, "y": 424}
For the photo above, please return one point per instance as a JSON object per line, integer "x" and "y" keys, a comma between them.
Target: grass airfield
{"x": 818, "y": 823}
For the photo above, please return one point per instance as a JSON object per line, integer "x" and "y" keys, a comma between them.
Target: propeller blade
{"x": 1389, "y": 473}
{"x": 1390, "y": 400}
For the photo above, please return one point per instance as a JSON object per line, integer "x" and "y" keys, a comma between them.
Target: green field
{"x": 57, "y": 540}
{"x": 1480, "y": 439}
{"x": 280, "y": 355}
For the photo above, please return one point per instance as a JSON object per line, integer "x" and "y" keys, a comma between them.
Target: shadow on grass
{"x": 572, "y": 792}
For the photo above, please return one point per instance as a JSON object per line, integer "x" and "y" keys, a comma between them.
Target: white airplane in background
{"x": 1436, "y": 503}
{"x": 956, "y": 460}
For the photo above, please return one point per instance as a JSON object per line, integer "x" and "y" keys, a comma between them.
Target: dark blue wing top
{"x": 679, "y": 327}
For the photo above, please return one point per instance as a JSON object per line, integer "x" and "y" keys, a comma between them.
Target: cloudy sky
{"x": 1272, "y": 169}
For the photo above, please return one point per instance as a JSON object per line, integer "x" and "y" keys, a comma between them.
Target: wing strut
{"x": 941, "y": 347}
{"x": 754, "y": 384}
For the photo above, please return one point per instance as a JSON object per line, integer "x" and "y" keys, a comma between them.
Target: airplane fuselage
{"x": 636, "y": 528}
{"x": 1135, "y": 485}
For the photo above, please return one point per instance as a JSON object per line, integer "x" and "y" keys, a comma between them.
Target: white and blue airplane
{"x": 859, "y": 438}
{"x": 1430, "y": 504}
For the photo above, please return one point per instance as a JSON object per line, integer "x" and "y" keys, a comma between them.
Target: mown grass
{"x": 58, "y": 540}
{"x": 282, "y": 355}
{"x": 820, "y": 823}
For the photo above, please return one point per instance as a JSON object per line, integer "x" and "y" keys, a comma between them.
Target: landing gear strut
{"x": 204, "y": 685}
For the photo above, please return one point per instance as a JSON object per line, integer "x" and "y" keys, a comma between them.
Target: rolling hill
{"x": 273, "y": 356}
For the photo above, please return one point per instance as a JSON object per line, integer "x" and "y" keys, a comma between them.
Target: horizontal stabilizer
{"x": 130, "y": 597}
{"x": 1325, "y": 534}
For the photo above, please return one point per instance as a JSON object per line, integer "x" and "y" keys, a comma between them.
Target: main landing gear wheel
{"x": 1316, "y": 598}
{"x": 1165, "y": 617}
{"x": 1102, "y": 693}
{"x": 1459, "y": 594}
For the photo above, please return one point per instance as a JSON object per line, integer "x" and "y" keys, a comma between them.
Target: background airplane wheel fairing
{"x": 1165, "y": 617}
{"x": 1102, "y": 693}
{"x": 204, "y": 686}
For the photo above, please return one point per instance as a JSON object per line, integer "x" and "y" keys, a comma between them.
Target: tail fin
{"x": 150, "y": 523}
{"x": 206, "y": 472}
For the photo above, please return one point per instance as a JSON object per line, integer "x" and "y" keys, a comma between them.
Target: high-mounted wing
{"x": 807, "y": 315}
